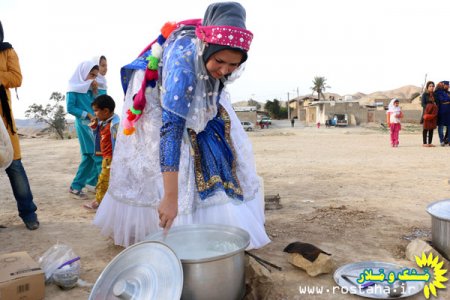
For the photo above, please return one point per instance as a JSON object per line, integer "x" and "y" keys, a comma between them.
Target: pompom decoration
{"x": 152, "y": 63}
{"x": 139, "y": 101}
{"x": 130, "y": 115}
{"x": 157, "y": 50}
{"x": 167, "y": 29}
{"x": 129, "y": 131}
{"x": 151, "y": 77}
{"x": 161, "y": 40}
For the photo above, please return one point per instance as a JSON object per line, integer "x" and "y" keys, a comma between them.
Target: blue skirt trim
{"x": 214, "y": 158}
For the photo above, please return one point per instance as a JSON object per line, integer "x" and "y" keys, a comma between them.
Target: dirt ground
{"x": 344, "y": 190}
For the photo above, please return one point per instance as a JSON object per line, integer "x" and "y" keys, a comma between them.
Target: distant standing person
{"x": 11, "y": 77}
{"x": 429, "y": 90}
{"x": 429, "y": 115}
{"x": 81, "y": 92}
{"x": 102, "y": 88}
{"x": 443, "y": 102}
{"x": 292, "y": 122}
{"x": 394, "y": 116}
{"x": 102, "y": 70}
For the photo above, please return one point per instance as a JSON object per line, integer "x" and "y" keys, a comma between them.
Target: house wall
{"x": 300, "y": 114}
{"x": 311, "y": 114}
{"x": 409, "y": 116}
{"x": 357, "y": 115}
{"x": 247, "y": 116}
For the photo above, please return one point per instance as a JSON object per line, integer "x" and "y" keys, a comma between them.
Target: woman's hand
{"x": 167, "y": 210}
{"x": 91, "y": 117}
{"x": 94, "y": 86}
{"x": 94, "y": 123}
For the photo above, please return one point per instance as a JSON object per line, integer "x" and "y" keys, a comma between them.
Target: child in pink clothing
{"x": 394, "y": 115}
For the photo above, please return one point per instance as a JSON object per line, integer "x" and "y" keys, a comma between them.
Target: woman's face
{"x": 223, "y": 63}
{"x": 103, "y": 66}
{"x": 92, "y": 74}
{"x": 430, "y": 87}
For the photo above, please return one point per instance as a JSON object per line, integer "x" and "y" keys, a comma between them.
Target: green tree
{"x": 319, "y": 85}
{"x": 272, "y": 107}
{"x": 275, "y": 110}
{"x": 53, "y": 114}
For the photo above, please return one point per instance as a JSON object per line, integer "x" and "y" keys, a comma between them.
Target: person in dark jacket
{"x": 429, "y": 90}
{"x": 443, "y": 102}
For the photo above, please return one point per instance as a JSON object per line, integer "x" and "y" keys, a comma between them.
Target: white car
{"x": 248, "y": 126}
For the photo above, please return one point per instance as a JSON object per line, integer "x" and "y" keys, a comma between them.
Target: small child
{"x": 106, "y": 124}
{"x": 394, "y": 115}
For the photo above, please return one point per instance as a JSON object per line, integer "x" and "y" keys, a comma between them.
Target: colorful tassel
{"x": 151, "y": 75}
{"x": 167, "y": 29}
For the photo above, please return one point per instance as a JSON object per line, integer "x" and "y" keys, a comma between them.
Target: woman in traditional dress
{"x": 184, "y": 157}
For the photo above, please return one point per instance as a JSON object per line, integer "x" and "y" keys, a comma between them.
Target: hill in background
{"x": 403, "y": 93}
{"x": 31, "y": 127}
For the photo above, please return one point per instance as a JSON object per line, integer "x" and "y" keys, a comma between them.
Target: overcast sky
{"x": 358, "y": 46}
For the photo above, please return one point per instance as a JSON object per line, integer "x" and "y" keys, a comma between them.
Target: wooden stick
{"x": 264, "y": 261}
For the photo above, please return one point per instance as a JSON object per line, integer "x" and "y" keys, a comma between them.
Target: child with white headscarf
{"x": 81, "y": 92}
{"x": 394, "y": 115}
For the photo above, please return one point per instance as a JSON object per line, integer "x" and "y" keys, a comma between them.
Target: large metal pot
{"x": 213, "y": 259}
{"x": 440, "y": 225}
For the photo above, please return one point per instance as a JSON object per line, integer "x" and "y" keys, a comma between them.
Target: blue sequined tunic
{"x": 214, "y": 157}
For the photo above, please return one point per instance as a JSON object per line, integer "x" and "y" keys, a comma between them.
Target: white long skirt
{"x": 129, "y": 210}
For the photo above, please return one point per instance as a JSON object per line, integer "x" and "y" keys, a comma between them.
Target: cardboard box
{"x": 21, "y": 278}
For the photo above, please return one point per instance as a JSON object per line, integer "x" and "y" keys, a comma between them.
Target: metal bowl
{"x": 213, "y": 259}
{"x": 440, "y": 225}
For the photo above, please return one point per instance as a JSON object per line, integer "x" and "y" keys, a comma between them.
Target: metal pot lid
{"x": 146, "y": 270}
{"x": 440, "y": 209}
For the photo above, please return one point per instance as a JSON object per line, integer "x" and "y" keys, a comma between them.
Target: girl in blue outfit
{"x": 81, "y": 92}
{"x": 184, "y": 157}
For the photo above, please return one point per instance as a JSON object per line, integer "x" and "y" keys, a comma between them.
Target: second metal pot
{"x": 440, "y": 225}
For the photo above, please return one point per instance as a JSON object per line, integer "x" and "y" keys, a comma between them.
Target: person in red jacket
{"x": 429, "y": 115}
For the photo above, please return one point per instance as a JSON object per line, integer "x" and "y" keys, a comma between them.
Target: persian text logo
{"x": 437, "y": 273}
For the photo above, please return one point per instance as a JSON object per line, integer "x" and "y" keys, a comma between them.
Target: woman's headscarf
{"x": 3, "y": 45}
{"x": 392, "y": 108}
{"x": 186, "y": 51}
{"x": 101, "y": 80}
{"x": 223, "y": 27}
{"x": 78, "y": 82}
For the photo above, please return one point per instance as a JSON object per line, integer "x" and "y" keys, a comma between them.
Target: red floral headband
{"x": 235, "y": 37}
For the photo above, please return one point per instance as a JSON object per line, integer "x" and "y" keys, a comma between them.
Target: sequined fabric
{"x": 214, "y": 158}
{"x": 170, "y": 144}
